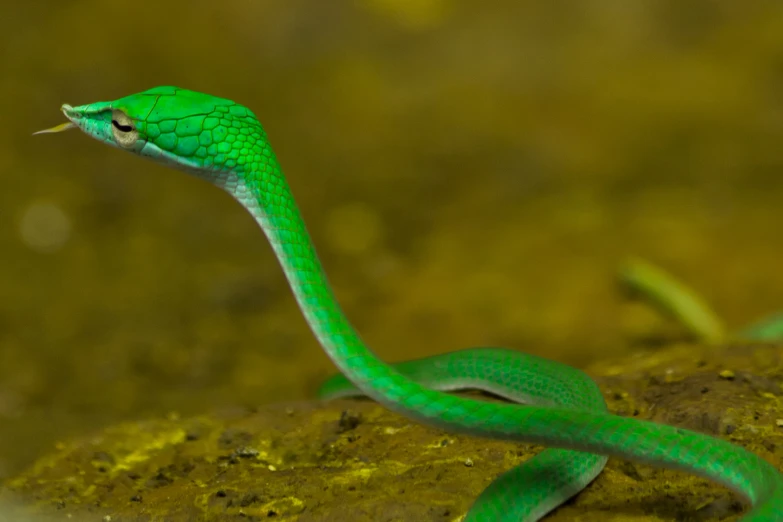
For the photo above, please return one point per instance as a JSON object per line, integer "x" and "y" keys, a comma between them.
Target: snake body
{"x": 223, "y": 142}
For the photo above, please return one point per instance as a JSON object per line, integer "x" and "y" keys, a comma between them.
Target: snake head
{"x": 188, "y": 130}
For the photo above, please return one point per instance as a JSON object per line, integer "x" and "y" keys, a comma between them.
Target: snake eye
{"x": 123, "y": 129}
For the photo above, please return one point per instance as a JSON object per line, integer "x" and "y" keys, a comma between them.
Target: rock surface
{"x": 351, "y": 460}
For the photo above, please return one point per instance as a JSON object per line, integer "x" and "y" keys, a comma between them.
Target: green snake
{"x": 223, "y": 142}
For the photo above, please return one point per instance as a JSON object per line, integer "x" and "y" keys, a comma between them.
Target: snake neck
{"x": 268, "y": 198}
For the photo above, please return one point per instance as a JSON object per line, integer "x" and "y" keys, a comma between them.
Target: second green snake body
{"x": 223, "y": 142}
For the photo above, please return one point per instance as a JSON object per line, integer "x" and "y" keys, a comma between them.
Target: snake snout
{"x": 69, "y": 112}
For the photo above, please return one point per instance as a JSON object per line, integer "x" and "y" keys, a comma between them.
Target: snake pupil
{"x": 120, "y": 127}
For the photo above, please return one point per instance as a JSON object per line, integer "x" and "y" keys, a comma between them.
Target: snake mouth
{"x": 69, "y": 113}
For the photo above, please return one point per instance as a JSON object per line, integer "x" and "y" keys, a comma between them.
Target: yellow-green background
{"x": 471, "y": 172}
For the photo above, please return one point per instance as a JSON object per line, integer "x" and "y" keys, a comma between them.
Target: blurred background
{"x": 471, "y": 173}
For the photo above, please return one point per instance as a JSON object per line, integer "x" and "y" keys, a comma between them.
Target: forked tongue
{"x": 58, "y": 128}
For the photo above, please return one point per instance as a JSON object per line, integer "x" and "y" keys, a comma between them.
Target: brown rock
{"x": 355, "y": 461}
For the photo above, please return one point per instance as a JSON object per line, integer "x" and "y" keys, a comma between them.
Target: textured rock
{"x": 355, "y": 461}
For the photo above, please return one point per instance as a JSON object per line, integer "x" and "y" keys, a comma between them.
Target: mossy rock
{"x": 352, "y": 460}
